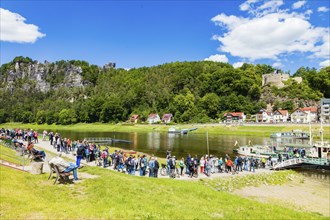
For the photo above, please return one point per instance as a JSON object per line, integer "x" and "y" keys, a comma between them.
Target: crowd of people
{"x": 138, "y": 164}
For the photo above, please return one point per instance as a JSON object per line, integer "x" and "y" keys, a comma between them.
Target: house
{"x": 153, "y": 118}
{"x": 134, "y": 118}
{"x": 304, "y": 115}
{"x": 167, "y": 118}
{"x": 325, "y": 110}
{"x": 264, "y": 116}
{"x": 235, "y": 117}
{"x": 281, "y": 116}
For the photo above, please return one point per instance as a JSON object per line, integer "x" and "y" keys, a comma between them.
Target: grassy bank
{"x": 213, "y": 129}
{"x": 120, "y": 196}
{"x": 113, "y": 195}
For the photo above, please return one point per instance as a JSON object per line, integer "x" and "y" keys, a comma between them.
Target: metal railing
{"x": 19, "y": 160}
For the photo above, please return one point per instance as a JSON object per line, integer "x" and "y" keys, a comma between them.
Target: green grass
{"x": 213, "y": 129}
{"x": 119, "y": 196}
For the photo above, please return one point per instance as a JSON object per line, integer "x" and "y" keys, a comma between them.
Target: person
{"x": 44, "y": 134}
{"x": 104, "y": 157}
{"x": 181, "y": 165}
{"x": 252, "y": 164}
{"x": 64, "y": 166}
{"x": 156, "y": 168}
{"x": 202, "y": 164}
{"x": 151, "y": 166}
{"x": 36, "y": 152}
{"x": 79, "y": 153}
{"x": 143, "y": 165}
{"x": 191, "y": 168}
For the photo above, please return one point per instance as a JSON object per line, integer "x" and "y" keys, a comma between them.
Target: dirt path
{"x": 303, "y": 193}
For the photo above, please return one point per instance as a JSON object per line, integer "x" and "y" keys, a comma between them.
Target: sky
{"x": 280, "y": 33}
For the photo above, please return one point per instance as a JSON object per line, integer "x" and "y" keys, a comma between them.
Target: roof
{"x": 167, "y": 116}
{"x": 134, "y": 116}
{"x": 235, "y": 114}
{"x": 311, "y": 109}
{"x": 283, "y": 112}
{"x": 154, "y": 115}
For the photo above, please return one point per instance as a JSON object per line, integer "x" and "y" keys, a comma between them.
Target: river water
{"x": 180, "y": 145}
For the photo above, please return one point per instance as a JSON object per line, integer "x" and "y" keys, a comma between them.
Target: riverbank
{"x": 260, "y": 130}
{"x": 140, "y": 198}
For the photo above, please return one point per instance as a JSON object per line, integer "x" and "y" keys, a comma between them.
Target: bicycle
{"x": 173, "y": 173}
{"x": 163, "y": 170}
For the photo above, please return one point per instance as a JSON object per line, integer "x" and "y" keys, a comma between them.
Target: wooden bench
{"x": 59, "y": 175}
{"x": 34, "y": 156}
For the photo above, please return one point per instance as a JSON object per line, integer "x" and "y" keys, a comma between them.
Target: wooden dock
{"x": 105, "y": 140}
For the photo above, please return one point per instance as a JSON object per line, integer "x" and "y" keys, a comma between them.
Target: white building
{"x": 264, "y": 116}
{"x": 325, "y": 110}
{"x": 281, "y": 116}
{"x": 304, "y": 115}
{"x": 153, "y": 118}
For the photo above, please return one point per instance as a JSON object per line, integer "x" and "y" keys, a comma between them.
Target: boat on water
{"x": 256, "y": 151}
{"x": 298, "y": 134}
{"x": 174, "y": 130}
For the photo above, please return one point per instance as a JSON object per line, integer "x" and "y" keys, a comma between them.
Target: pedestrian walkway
{"x": 46, "y": 146}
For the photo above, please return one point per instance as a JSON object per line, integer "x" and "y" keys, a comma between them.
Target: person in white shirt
{"x": 64, "y": 166}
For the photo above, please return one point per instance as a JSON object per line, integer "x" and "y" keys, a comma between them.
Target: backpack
{"x": 104, "y": 154}
{"x": 80, "y": 150}
{"x": 142, "y": 162}
{"x": 170, "y": 163}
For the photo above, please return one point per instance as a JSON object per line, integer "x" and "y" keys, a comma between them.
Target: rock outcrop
{"x": 43, "y": 75}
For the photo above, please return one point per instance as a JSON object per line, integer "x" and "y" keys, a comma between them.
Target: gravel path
{"x": 46, "y": 145}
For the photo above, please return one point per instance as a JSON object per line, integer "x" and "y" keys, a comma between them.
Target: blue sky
{"x": 284, "y": 34}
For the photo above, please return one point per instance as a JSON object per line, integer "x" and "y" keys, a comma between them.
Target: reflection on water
{"x": 320, "y": 175}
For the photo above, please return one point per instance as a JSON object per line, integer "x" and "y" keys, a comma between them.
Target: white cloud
{"x": 247, "y": 5}
{"x": 298, "y": 4}
{"x": 325, "y": 63}
{"x": 14, "y": 28}
{"x": 238, "y": 64}
{"x": 277, "y": 65}
{"x": 271, "y": 35}
{"x": 217, "y": 58}
{"x": 323, "y": 9}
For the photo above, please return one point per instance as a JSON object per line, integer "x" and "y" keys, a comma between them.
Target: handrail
{"x": 21, "y": 160}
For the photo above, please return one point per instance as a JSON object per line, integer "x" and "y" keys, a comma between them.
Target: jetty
{"x": 309, "y": 163}
{"x": 105, "y": 140}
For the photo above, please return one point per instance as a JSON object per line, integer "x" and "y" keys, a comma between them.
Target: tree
{"x": 210, "y": 104}
{"x": 41, "y": 117}
{"x": 67, "y": 116}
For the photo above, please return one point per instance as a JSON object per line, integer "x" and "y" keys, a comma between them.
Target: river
{"x": 158, "y": 143}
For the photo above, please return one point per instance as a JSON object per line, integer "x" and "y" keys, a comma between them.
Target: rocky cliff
{"x": 43, "y": 76}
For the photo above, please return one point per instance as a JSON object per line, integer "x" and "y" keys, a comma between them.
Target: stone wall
{"x": 277, "y": 79}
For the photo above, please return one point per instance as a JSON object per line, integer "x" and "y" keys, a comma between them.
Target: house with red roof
{"x": 134, "y": 118}
{"x": 167, "y": 118}
{"x": 304, "y": 115}
{"x": 281, "y": 116}
{"x": 235, "y": 117}
{"x": 264, "y": 116}
{"x": 153, "y": 118}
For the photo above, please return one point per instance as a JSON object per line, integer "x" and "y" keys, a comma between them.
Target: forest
{"x": 194, "y": 92}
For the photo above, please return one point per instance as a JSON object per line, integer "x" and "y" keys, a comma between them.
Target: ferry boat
{"x": 298, "y": 134}
{"x": 174, "y": 130}
{"x": 256, "y": 151}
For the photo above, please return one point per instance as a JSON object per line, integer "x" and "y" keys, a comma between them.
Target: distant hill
{"x": 73, "y": 91}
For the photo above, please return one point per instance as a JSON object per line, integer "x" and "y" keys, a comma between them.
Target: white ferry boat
{"x": 298, "y": 134}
